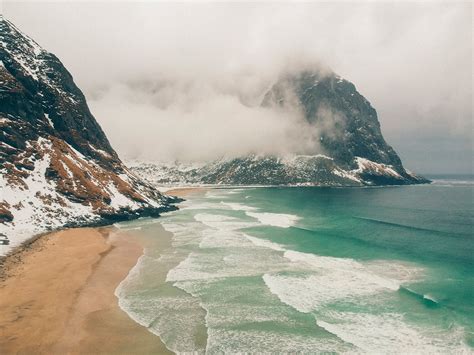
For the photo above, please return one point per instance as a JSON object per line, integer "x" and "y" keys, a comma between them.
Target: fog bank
{"x": 183, "y": 81}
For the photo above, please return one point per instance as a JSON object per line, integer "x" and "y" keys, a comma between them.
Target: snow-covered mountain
{"x": 350, "y": 149}
{"x": 57, "y": 166}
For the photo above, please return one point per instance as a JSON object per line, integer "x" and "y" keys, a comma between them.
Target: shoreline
{"x": 57, "y": 295}
{"x": 57, "y": 292}
{"x": 103, "y": 222}
{"x": 185, "y": 191}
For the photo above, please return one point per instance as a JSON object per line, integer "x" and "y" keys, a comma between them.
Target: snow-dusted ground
{"x": 38, "y": 206}
{"x": 299, "y": 167}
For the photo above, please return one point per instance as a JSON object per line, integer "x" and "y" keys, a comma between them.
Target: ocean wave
{"x": 213, "y": 239}
{"x": 233, "y": 341}
{"x": 390, "y": 333}
{"x": 405, "y": 226}
{"x": 201, "y": 206}
{"x": 164, "y": 310}
{"x": 322, "y": 280}
{"x": 239, "y": 206}
{"x": 217, "y": 194}
{"x": 275, "y": 219}
{"x": 259, "y": 242}
{"x": 222, "y": 222}
{"x": 426, "y": 299}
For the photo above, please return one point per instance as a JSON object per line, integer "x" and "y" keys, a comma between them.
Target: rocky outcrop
{"x": 57, "y": 166}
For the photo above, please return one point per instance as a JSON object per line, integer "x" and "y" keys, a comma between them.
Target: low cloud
{"x": 184, "y": 81}
{"x": 196, "y": 122}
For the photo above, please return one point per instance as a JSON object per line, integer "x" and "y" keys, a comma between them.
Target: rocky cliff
{"x": 57, "y": 166}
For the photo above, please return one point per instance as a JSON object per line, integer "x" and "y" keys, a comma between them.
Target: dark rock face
{"x": 41, "y": 87}
{"x": 272, "y": 170}
{"x": 351, "y": 151}
{"x": 326, "y": 99}
{"x": 57, "y": 166}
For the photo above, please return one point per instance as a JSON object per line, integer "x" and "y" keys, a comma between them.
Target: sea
{"x": 382, "y": 270}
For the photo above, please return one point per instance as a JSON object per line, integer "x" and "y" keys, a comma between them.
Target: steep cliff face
{"x": 57, "y": 166}
{"x": 345, "y": 121}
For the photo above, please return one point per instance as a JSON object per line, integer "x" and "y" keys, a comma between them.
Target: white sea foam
{"x": 223, "y": 239}
{"x": 243, "y": 260}
{"x": 430, "y": 298}
{"x": 324, "y": 280}
{"x": 222, "y": 222}
{"x": 171, "y": 314}
{"x": 230, "y": 341}
{"x": 239, "y": 206}
{"x": 217, "y": 194}
{"x": 202, "y": 206}
{"x": 264, "y": 243}
{"x": 311, "y": 293}
{"x": 389, "y": 333}
{"x": 184, "y": 234}
{"x": 212, "y": 218}
{"x": 236, "y": 191}
{"x": 230, "y": 304}
{"x": 275, "y": 219}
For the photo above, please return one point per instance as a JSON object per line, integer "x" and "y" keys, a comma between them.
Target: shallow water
{"x": 378, "y": 270}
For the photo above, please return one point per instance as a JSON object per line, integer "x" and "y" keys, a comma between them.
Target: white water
{"x": 275, "y": 219}
{"x": 255, "y": 295}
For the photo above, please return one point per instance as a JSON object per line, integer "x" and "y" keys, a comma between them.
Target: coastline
{"x": 185, "y": 191}
{"x": 57, "y": 295}
{"x": 57, "y": 292}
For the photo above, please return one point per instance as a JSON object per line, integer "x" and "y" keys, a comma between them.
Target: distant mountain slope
{"x": 349, "y": 151}
{"x": 57, "y": 166}
{"x": 306, "y": 170}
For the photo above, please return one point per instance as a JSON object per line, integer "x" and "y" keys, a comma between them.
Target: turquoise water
{"x": 374, "y": 270}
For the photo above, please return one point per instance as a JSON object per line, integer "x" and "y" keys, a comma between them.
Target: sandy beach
{"x": 57, "y": 293}
{"x": 57, "y": 296}
{"x": 185, "y": 191}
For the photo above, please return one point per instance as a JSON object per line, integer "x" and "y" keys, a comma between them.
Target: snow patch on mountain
{"x": 297, "y": 170}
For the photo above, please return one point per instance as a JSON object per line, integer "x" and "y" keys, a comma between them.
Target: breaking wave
{"x": 275, "y": 219}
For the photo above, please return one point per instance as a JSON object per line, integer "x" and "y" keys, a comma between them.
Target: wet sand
{"x": 57, "y": 296}
{"x": 185, "y": 191}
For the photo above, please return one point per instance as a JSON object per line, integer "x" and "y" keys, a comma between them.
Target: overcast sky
{"x": 179, "y": 80}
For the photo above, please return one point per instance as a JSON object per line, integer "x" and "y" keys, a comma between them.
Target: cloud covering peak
{"x": 184, "y": 80}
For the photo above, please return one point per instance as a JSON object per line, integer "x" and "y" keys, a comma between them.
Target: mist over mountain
{"x": 159, "y": 67}
{"x": 336, "y": 139}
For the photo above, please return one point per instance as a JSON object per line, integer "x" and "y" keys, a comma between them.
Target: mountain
{"x": 349, "y": 151}
{"x": 57, "y": 167}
